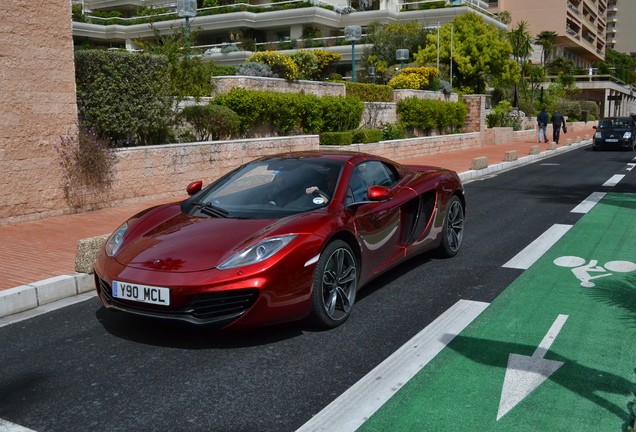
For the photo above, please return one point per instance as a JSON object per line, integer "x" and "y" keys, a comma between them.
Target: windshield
{"x": 272, "y": 188}
{"x": 614, "y": 123}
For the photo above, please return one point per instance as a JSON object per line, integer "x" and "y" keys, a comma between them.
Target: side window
{"x": 367, "y": 174}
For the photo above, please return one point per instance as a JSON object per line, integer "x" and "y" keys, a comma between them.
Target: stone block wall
{"x": 156, "y": 172}
{"x": 37, "y": 89}
{"x": 226, "y": 83}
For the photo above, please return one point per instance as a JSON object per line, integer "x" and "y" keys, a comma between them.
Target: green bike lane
{"x": 556, "y": 351}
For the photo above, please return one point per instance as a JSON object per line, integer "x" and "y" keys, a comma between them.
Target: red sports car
{"x": 279, "y": 239}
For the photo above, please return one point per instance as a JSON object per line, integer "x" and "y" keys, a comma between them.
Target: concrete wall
{"x": 37, "y": 90}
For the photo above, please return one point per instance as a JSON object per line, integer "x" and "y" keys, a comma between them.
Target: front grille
{"x": 218, "y": 307}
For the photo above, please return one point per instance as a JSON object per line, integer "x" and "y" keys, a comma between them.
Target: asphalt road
{"x": 84, "y": 368}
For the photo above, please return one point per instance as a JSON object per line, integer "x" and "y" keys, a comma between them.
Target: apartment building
{"x": 580, "y": 25}
{"x": 265, "y": 22}
{"x": 583, "y": 28}
{"x": 621, "y": 31}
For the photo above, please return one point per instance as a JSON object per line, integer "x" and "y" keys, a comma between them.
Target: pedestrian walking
{"x": 542, "y": 120}
{"x": 558, "y": 122}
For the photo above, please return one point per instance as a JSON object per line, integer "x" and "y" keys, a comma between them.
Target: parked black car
{"x": 614, "y": 133}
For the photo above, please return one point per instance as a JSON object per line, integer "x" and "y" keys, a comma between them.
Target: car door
{"x": 377, "y": 224}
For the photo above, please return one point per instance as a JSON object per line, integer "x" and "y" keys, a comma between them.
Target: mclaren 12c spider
{"x": 282, "y": 238}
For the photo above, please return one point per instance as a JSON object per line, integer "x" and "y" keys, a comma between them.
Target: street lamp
{"x": 402, "y": 55}
{"x": 187, "y": 9}
{"x": 352, "y": 34}
{"x": 372, "y": 73}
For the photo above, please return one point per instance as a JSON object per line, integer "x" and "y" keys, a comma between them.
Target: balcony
{"x": 574, "y": 9}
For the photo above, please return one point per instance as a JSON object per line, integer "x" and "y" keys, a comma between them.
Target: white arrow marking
{"x": 524, "y": 374}
{"x": 7, "y": 426}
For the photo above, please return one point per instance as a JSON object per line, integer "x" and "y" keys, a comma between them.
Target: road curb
{"x": 27, "y": 297}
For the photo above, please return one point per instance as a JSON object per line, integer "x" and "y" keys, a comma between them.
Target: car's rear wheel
{"x": 335, "y": 285}
{"x": 453, "y": 230}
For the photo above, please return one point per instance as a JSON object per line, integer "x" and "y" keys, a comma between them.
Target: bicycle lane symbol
{"x": 584, "y": 271}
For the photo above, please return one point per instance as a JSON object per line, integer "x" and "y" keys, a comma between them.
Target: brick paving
{"x": 33, "y": 251}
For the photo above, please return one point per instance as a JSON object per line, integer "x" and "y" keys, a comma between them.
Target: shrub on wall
{"x": 282, "y": 65}
{"x": 590, "y": 106}
{"x": 211, "y": 121}
{"x": 431, "y": 114}
{"x": 364, "y": 136}
{"x": 336, "y": 138}
{"x": 341, "y": 113}
{"x": 124, "y": 96}
{"x": 419, "y": 78}
{"x": 370, "y": 92}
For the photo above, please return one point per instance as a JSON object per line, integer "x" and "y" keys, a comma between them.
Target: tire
{"x": 335, "y": 286}
{"x": 453, "y": 229}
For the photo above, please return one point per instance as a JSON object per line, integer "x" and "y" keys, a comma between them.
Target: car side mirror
{"x": 378, "y": 193}
{"x": 194, "y": 187}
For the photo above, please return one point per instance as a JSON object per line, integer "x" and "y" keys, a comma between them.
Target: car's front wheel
{"x": 335, "y": 285}
{"x": 453, "y": 230}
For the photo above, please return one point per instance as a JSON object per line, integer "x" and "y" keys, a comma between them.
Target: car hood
{"x": 614, "y": 131}
{"x": 168, "y": 240}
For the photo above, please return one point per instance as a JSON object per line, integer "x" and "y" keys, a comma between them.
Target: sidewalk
{"x": 40, "y": 250}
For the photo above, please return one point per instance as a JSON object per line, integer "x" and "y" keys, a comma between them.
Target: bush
{"x": 282, "y": 65}
{"x": 364, "y": 136}
{"x": 255, "y": 69}
{"x": 341, "y": 113}
{"x": 431, "y": 114}
{"x": 571, "y": 109}
{"x": 370, "y": 92}
{"x": 393, "y": 131}
{"x": 336, "y": 138}
{"x": 419, "y": 78}
{"x": 590, "y": 106}
{"x": 307, "y": 63}
{"x": 123, "y": 96}
{"x": 326, "y": 64}
{"x": 211, "y": 121}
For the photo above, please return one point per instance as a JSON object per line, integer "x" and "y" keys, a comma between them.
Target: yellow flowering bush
{"x": 326, "y": 63}
{"x": 282, "y": 65}
{"x": 414, "y": 78}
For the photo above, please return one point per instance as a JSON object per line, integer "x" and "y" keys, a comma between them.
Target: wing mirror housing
{"x": 378, "y": 193}
{"x": 194, "y": 187}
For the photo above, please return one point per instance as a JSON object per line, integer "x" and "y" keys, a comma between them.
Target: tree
{"x": 385, "y": 40}
{"x": 519, "y": 39}
{"x": 547, "y": 40}
{"x": 189, "y": 75}
{"x": 622, "y": 66}
{"x": 480, "y": 53}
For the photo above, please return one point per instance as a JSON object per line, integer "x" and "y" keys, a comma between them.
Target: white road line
{"x": 589, "y": 202}
{"x": 614, "y": 180}
{"x": 630, "y": 166}
{"x": 351, "y": 409}
{"x": 6, "y": 426}
{"x": 524, "y": 259}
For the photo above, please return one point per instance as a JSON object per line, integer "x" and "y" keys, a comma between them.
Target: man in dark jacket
{"x": 542, "y": 120}
{"x": 558, "y": 122}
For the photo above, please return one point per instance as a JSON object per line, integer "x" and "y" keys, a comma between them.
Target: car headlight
{"x": 261, "y": 251}
{"x": 597, "y": 135}
{"x": 115, "y": 240}
{"x": 627, "y": 135}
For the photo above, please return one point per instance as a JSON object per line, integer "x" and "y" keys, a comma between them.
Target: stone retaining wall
{"x": 226, "y": 83}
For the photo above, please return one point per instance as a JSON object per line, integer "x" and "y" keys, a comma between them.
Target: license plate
{"x": 611, "y": 140}
{"x": 141, "y": 293}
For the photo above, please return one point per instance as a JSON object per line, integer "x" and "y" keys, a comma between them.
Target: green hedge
{"x": 336, "y": 138}
{"x": 370, "y": 92}
{"x": 364, "y": 136}
{"x": 431, "y": 114}
{"x": 124, "y": 96}
{"x": 292, "y": 112}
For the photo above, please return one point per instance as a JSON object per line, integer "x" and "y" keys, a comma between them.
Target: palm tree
{"x": 547, "y": 40}
{"x": 520, "y": 39}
